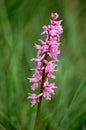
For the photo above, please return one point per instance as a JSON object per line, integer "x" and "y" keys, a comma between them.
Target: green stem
{"x": 37, "y": 121}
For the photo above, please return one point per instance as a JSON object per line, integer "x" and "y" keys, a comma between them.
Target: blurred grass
{"x": 20, "y": 25}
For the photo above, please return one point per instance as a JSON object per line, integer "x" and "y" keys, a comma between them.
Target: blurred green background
{"x": 21, "y": 23}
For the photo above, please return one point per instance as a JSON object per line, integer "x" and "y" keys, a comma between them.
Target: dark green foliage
{"x": 21, "y": 23}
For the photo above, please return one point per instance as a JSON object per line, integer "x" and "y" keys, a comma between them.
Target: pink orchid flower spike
{"x": 46, "y": 59}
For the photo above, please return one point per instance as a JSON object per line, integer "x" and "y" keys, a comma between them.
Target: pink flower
{"x": 45, "y": 48}
{"x": 39, "y": 58}
{"x": 33, "y": 102}
{"x": 36, "y": 78}
{"x": 38, "y": 47}
{"x": 54, "y": 15}
{"x": 34, "y": 98}
{"x": 32, "y": 79}
{"x": 34, "y": 86}
{"x": 47, "y": 56}
{"x": 53, "y": 32}
{"x": 38, "y": 68}
{"x": 49, "y": 69}
{"x": 50, "y": 66}
{"x": 47, "y": 95}
{"x": 42, "y": 41}
{"x": 50, "y": 75}
{"x": 49, "y": 89}
{"x": 59, "y": 29}
{"x": 46, "y": 29}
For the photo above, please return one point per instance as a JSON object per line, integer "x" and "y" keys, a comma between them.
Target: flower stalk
{"x": 47, "y": 58}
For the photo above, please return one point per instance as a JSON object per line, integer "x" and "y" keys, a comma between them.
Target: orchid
{"x": 46, "y": 59}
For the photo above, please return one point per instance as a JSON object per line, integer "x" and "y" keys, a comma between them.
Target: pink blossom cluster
{"x": 47, "y": 58}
